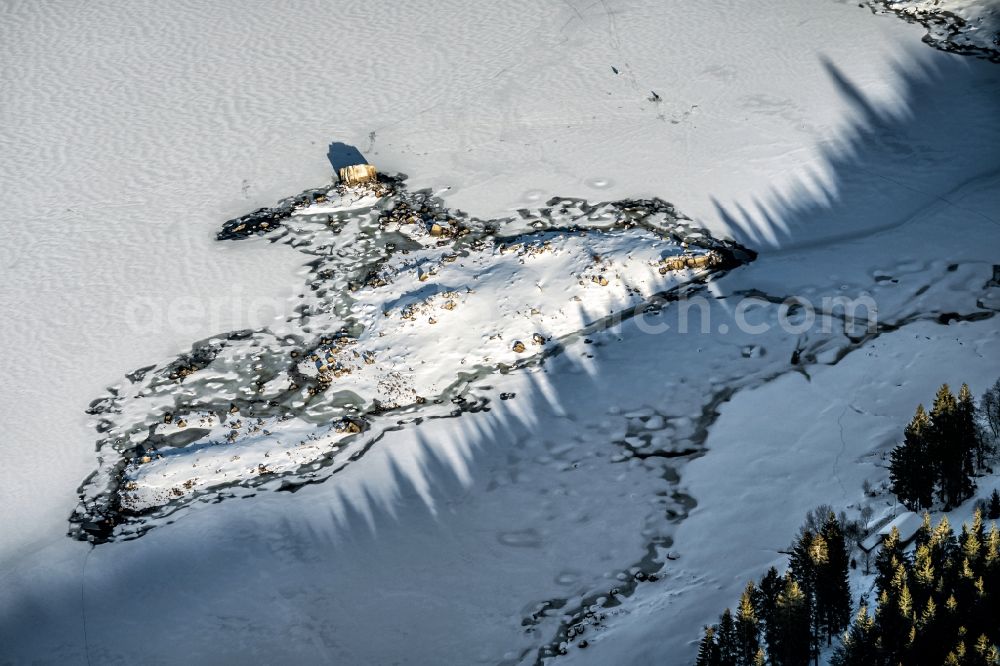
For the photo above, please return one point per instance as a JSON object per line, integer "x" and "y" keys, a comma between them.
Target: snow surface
{"x": 859, "y": 161}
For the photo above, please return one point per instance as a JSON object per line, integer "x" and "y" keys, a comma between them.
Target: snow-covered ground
{"x": 858, "y": 161}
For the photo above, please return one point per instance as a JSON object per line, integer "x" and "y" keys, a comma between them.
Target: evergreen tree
{"x": 790, "y": 643}
{"x": 747, "y": 627}
{"x": 943, "y": 544}
{"x": 978, "y": 529}
{"x": 950, "y": 619}
{"x": 727, "y": 639}
{"x": 992, "y": 557}
{"x": 923, "y": 534}
{"x": 893, "y": 615}
{"x": 887, "y": 559}
{"x": 939, "y": 436}
{"x": 940, "y": 607}
{"x": 970, "y": 541}
{"x": 985, "y": 653}
{"x": 993, "y": 510}
{"x": 906, "y": 603}
{"x": 950, "y": 450}
{"x": 833, "y": 589}
{"x": 708, "y": 649}
{"x": 942, "y": 451}
{"x": 991, "y": 574}
{"x": 911, "y": 471}
{"x": 891, "y": 626}
{"x": 766, "y": 601}
{"x": 809, "y": 553}
{"x": 860, "y": 644}
{"x": 972, "y": 441}
{"x": 928, "y": 641}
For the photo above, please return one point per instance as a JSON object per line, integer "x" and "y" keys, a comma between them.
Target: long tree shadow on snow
{"x": 890, "y": 161}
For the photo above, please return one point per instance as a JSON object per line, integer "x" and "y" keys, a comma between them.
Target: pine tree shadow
{"x": 891, "y": 161}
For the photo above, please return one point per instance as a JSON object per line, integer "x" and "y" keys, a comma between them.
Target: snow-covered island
{"x": 408, "y": 303}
